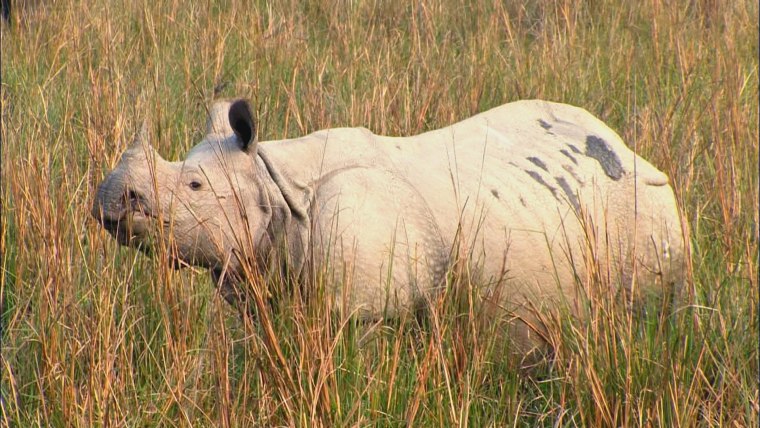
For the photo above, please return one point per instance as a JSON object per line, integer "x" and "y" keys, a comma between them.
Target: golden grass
{"x": 93, "y": 334}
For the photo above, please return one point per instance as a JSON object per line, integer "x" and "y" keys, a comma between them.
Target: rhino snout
{"x": 113, "y": 204}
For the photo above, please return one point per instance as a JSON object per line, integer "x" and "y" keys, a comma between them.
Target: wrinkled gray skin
{"x": 537, "y": 194}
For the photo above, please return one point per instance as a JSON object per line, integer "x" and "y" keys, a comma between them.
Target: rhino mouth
{"x": 134, "y": 229}
{"x": 131, "y": 227}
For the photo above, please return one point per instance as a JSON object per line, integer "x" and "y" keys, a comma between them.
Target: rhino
{"x": 537, "y": 195}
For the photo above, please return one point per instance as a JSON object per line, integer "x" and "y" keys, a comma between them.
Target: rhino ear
{"x": 241, "y": 121}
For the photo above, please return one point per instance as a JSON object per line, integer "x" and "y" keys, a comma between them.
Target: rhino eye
{"x": 195, "y": 185}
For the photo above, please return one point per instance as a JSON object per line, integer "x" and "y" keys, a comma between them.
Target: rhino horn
{"x": 140, "y": 146}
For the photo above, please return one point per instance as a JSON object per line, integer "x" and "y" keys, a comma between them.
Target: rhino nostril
{"x": 110, "y": 225}
{"x": 136, "y": 202}
{"x": 133, "y": 199}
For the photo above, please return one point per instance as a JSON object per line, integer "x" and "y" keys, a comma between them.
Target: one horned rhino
{"x": 534, "y": 193}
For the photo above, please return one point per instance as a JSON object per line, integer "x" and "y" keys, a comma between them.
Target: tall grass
{"x": 94, "y": 334}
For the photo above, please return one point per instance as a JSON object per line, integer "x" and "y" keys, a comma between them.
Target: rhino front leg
{"x": 233, "y": 289}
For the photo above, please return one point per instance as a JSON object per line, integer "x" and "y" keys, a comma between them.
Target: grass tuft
{"x": 93, "y": 334}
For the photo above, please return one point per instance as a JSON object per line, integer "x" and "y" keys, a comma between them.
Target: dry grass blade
{"x": 93, "y": 334}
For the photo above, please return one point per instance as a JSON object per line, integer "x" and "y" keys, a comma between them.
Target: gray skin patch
{"x": 544, "y": 124}
{"x": 495, "y": 193}
{"x": 569, "y": 192}
{"x": 575, "y": 149}
{"x": 538, "y": 162}
{"x": 522, "y": 201}
{"x": 569, "y": 156}
{"x": 536, "y": 176}
{"x": 597, "y": 148}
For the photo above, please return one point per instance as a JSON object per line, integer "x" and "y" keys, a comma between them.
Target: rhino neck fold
{"x": 292, "y": 222}
{"x": 296, "y": 197}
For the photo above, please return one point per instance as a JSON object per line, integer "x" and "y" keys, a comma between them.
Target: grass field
{"x": 94, "y": 334}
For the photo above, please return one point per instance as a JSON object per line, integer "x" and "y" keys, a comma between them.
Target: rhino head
{"x": 209, "y": 210}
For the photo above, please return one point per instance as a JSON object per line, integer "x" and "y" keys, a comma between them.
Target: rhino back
{"x": 519, "y": 186}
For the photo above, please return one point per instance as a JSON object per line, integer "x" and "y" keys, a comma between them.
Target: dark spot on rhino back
{"x": 575, "y": 149}
{"x": 569, "y": 156}
{"x": 536, "y": 176}
{"x": 538, "y": 162}
{"x": 569, "y": 192}
{"x": 495, "y": 193}
{"x": 597, "y": 148}
{"x": 544, "y": 124}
